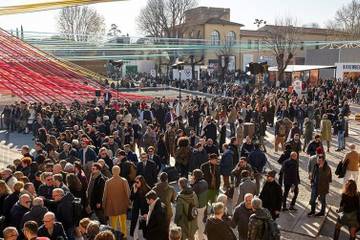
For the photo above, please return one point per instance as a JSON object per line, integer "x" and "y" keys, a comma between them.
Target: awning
{"x": 301, "y": 68}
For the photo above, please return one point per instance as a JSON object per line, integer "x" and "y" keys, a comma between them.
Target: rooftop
{"x": 222, "y": 22}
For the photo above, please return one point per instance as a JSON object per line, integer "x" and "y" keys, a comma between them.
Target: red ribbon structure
{"x": 34, "y": 76}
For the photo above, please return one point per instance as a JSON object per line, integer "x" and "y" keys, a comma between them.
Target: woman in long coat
{"x": 308, "y": 132}
{"x": 325, "y": 129}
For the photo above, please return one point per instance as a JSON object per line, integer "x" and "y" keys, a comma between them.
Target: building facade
{"x": 212, "y": 27}
{"x": 308, "y": 38}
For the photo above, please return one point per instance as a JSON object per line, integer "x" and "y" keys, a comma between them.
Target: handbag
{"x": 341, "y": 169}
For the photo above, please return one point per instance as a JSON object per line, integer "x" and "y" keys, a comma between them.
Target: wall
{"x": 97, "y": 66}
{"x": 223, "y": 30}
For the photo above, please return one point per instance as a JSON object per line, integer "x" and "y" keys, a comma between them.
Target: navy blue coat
{"x": 226, "y": 163}
{"x": 90, "y": 155}
{"x": 257, "y": 160}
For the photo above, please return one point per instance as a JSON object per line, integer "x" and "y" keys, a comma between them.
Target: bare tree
{"x": 114, "y": 31}
{"x": 347, "y": 19}
{"x": 164, "y": 18}
{"x": 283, "y": 40}
{"x": 81, "y": 24}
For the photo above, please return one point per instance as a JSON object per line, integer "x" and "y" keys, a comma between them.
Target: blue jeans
{"x": 341, "y": 139}
{"x": 314, "y": 195}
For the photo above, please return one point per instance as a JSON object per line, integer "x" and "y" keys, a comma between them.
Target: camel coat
{"x": 325, "y": 128}
{"x": 116, "y": 197}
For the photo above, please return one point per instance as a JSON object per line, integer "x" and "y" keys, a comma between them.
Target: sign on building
{"x": 347, "y": 71}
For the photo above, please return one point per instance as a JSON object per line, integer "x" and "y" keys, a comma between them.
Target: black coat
{"x": 217, "y": 229}
{"x": 9, "y": 202}
{"x": 212, "y": 149}
{"x": 58, "y": 232}
{"x": 162, "y": 152}
{"x": 235, "y": 150}
{"x": 271, "y": 196}
{"x": 17, "y": 212}
{"x": 206, "y": 169}
{"x": 139, "y": 206}
{"x": 149, "y": 172}
{"x": 210, "y": 131}
{"x": 290, "y": 173}
{"x": 156, "y": 228}
{"x": 2, "y": 200}
{"x": 64, "y": 211}
{"x": 45, "y": 191}
{"x": 311, "y": 149}
{"x": 97, "y": 192}
{"x": 157, "y": 160}
{"x": 197, "y": 158}
{"x": 35, "y": 214}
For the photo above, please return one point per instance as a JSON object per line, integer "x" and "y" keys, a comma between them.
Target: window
{"x": 302, "y": 46}
{"x": 199, "y": 35}
{"x": 230, "y": 38}
{"x": 215, "y": 38}
{"x": 249, "y": 44}
{"x": 257, "y": 44}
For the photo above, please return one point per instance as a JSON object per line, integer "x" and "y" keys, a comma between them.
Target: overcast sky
{"x": 242, "y": 11}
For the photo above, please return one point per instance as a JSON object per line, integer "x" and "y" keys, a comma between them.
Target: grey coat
{"x": 246, "y": 186}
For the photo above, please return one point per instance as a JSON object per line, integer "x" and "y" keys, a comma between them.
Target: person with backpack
{"x": 186, "y": 210}
{"x": 216, "y": 228}
{"x": 200, "y": 187}
{"x": 115, "y": 201}
{"x": 261, "y": 224}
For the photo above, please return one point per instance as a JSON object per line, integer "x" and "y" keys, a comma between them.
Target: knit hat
{"x": 319, "y": 151}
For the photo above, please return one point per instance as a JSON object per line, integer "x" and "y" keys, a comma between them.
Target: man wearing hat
{"x": 271, "y": 194}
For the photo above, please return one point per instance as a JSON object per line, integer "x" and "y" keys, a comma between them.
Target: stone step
{"x": 297, "y": 222}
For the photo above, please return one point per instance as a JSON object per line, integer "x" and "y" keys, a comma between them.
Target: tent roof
{"x": 301, "y": 68}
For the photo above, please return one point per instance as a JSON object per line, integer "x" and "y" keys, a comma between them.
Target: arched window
{"x": 215, "y": 38}
{"x": 231, "y": 38}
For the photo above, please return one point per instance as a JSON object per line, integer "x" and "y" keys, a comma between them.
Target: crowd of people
{"x": 97, "y": 167}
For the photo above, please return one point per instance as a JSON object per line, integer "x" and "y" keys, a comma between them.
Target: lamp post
{"x": 180, "y": 85}
{"x": 178, "y": 65}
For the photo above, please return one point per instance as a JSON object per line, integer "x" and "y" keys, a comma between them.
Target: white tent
{"x": 301, "y": 68}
